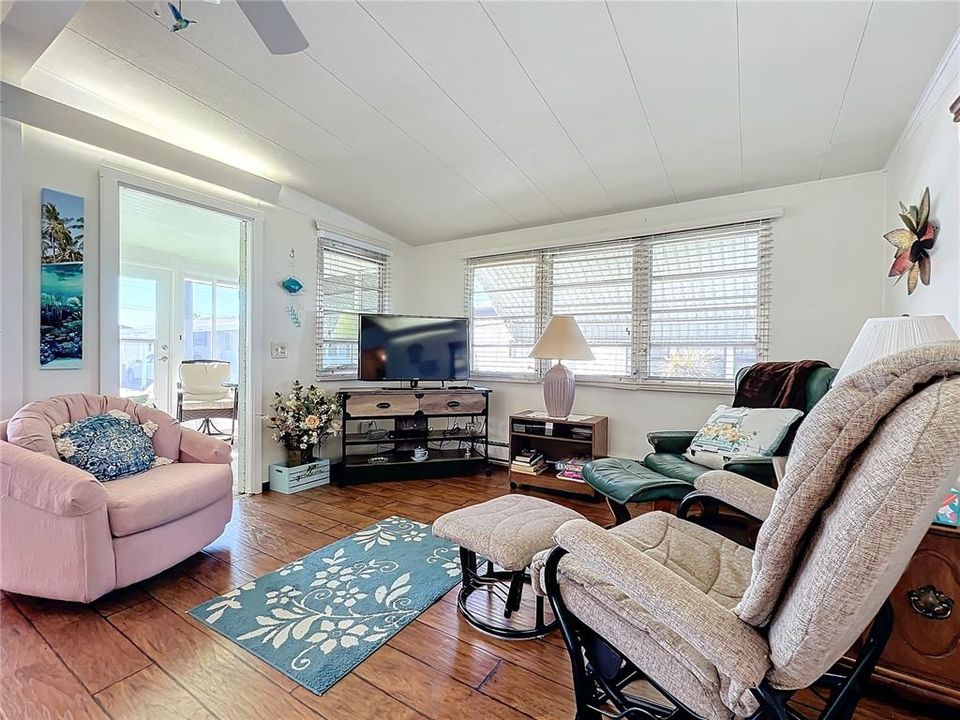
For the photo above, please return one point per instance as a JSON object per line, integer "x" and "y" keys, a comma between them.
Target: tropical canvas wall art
{"x": 61, "y": 280}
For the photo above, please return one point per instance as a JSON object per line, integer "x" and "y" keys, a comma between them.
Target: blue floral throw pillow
{"x": 108, "y": 446}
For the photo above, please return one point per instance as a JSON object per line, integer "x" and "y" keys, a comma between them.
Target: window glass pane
{"x": 596, "y": 286}
{"x": 703, "y": 303}
{"x": 349, "y": 282}
{"x": 227, "y": 341}
{"x": 503, "y": 324}
{"x": 138, "y": 333}
{"x": 197, "y": 320}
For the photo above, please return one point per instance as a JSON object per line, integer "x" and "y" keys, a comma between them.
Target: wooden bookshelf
{"x": 556, "y": 438}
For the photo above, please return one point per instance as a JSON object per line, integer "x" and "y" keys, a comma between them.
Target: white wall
{"x": 827, "y": 279}
{"x": 56, "y": 162}
{"x": 11, "y": 268}
{"x": 928, "y": 155}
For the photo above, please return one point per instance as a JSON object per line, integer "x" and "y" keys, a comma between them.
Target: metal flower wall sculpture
{"x": 913, "y": 244}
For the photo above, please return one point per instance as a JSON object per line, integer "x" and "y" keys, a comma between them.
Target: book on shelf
{"x": 528, "y": 469}
{"x": 528, "y": 457}
{"x": 571, "y": 468}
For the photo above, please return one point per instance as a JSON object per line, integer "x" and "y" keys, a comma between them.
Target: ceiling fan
{"x": 270, "y": 19}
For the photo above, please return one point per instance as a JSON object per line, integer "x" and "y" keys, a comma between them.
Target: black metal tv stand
{"x": 450, "y": 423}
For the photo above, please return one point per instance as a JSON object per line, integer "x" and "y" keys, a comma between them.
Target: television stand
{"x": 451, "y": 423}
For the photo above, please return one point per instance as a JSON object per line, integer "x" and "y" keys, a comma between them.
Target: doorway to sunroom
{"x": 179, "y": 310}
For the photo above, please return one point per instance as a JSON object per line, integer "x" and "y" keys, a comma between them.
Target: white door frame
{"x": 251, "y": 332}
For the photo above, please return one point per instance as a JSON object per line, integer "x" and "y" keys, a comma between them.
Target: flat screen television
{"x": 411, "y": 347}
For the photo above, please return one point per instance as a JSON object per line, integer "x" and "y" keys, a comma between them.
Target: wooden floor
{"x": 137, "y": 654}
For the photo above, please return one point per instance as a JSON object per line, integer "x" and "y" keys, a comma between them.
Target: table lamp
{"x": 561, "y": 340}
{"x": 884, "y": 336}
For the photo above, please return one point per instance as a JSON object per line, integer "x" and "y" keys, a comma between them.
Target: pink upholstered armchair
{"x": 65, "y": 535}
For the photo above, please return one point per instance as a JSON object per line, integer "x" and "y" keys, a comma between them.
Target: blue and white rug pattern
{"x": 318, "y": 617}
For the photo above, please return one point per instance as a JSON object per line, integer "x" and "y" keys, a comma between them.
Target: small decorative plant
{"x": 303, "y": 419}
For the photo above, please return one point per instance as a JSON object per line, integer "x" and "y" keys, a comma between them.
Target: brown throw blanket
{"x": 776, "y": 385}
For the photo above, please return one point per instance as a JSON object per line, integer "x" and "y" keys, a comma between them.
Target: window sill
{"x": 717, "y": 389}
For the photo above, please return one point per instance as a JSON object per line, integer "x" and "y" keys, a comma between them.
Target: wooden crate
{"x": 289, "y": 480}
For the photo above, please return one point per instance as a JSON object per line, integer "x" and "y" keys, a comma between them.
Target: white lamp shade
{"x": 880, "y": 337}
{"x": 562, "y": 340}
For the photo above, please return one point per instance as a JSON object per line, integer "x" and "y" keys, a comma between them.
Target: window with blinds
{"x": 350, "y": 280}
{"x": 686, "y": 308}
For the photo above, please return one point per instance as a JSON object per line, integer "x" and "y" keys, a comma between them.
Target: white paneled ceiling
{"x": 437, "y": 120}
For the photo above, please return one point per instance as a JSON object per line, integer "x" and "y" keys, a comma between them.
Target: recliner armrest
{"x": 195, "y": 447}
{"x": 716, "y": 632}
{"x": 737, "y": 491}
{"x": 671, "y": 441}
{"x": 759, "y": 469}
{"x": 47, "y": 483}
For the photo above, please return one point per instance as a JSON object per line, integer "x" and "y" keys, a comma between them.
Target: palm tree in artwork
{"x": 62, "y": 238}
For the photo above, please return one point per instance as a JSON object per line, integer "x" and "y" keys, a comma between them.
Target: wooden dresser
{"x": 922, "y": 657}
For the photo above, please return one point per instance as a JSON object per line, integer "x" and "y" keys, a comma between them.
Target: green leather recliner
{"x": 665, "y": 474}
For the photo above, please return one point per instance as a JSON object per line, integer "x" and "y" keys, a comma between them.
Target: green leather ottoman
{"x": 622, "y": 481}
{"x": 626, "y": 481}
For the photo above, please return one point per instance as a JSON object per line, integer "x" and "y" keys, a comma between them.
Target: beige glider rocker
{"x": 727, "y": 632}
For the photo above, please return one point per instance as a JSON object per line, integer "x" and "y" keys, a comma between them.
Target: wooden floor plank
{"x": 254, "y": 564}
{"x": 265, "y": 504}
{"x": 219, "y": 576}
{"x": 181, "y": 593}
{"x": 413, "y": 512}
{"x": 255, "y": 535}
{"x": 356, "y": 699}
{"x": 466, "y": 663}
{"x": 545, "y": 659}
{"x": 151, "y": 694}
{"x": 87, "y": 644}
{"x": 34, "y": 683}
{"x": 530, "y": 693}
{"x": 341, "y": 515}
{"x": 437, "y": 667}
{"x": 254, "y": 512}
{"x": 417, "y": 685}
{"x": 226, "y": 685}
{"x": 119, "y": 600}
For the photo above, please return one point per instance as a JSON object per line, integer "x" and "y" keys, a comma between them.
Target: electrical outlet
{"x": 278, "y": 350}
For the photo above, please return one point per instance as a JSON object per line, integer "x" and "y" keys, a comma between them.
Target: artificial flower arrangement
{"x": 303, "y": 418}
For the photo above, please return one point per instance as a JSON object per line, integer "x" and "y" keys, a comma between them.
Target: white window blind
{"x": 687, "y": 308}
{"x": 707, "y": 298}
{"x": 595, "y": 284}
{"x": 503, "y": 296}
{"x": 350, "y": 280}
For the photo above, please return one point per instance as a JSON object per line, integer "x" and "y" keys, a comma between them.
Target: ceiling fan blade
{"x": 275, "y": 26}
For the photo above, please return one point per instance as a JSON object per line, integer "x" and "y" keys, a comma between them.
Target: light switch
{"x": 278, "y": 350}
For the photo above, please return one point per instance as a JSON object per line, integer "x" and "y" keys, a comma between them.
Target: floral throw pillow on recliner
{"x": 733, "y": 433}
{"x": 108, "y": 446}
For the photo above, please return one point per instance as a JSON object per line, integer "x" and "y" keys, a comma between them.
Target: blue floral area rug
{"x": 318, "y": 617}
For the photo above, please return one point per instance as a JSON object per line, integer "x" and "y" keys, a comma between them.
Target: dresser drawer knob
{"x": 383, "y": 405}
{"x": 453, "y": 404}
{"x": 930, "y": 602}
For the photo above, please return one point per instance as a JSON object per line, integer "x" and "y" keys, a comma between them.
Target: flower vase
{"x": 297, "y": 456}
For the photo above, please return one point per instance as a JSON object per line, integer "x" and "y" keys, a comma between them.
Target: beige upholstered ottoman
{"x": 507, "y": 532}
